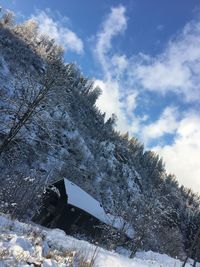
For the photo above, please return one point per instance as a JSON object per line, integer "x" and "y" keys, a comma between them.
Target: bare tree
{"x": 143, "y": 223}
{"x": 29, "y": 94}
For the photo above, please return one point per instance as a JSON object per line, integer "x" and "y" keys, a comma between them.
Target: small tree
{"x": 145, "y": 221}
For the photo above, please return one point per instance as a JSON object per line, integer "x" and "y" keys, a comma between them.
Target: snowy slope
{"x": 31, "y": 245}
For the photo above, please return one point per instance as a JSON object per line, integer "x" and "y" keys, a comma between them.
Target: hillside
{"x": 51, "y": 129}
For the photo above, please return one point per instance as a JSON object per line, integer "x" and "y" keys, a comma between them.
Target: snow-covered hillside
{"x": 51, "y": 129}
{"x": 31, "y": 245}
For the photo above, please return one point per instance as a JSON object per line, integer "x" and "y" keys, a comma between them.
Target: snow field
{"x": 31, "y": 245}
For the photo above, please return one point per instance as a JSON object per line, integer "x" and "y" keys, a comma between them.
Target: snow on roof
{"x": 82, "y": 200}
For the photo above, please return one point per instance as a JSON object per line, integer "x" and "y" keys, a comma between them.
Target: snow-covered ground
{"x": 31, "y": 245}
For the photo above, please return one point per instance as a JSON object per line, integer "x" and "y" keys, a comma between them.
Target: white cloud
{"x": 130, "y": 102}
{"x": 182, "y": 157}
{"x": 109, "y": 102}
{"x": 118, "y": 65}
{"x": 166, "y": 124}
{"x": 176, "y": 69}
{"x": 114, "y": 24}
{"x": 62, "y": 34}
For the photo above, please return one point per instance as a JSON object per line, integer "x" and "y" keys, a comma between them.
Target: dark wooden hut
{"x": 68, "y": 207}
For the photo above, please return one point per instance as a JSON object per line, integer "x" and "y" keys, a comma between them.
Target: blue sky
{"x": 145, "y": 55}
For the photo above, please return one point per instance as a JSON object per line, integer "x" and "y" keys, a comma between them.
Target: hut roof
{"x": 82, "y": 200}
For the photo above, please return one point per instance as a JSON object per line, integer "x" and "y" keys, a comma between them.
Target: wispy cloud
{"x": 114, "y": 67}
{"x": 114, "y": 24}
{"x": 58, "y": 31}
{"x": 176, "y": 69}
